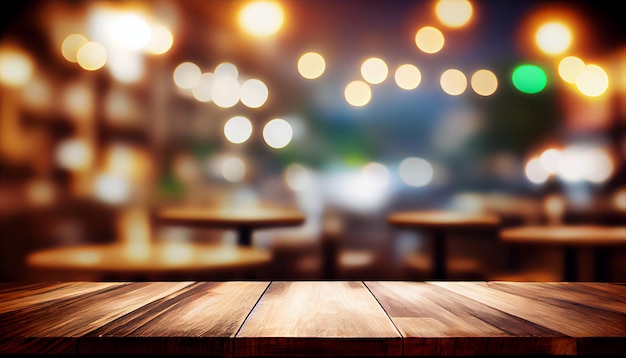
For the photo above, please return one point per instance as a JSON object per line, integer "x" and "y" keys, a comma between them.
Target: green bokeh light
{"x": 529, "y": 78}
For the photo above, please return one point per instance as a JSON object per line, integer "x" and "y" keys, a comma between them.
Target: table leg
{"x": 439, "y": 255}
{"x": 571, "y": 264}
{"x": 244, "y": 236}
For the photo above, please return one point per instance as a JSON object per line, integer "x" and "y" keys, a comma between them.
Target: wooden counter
{"x": 313, "y": 318}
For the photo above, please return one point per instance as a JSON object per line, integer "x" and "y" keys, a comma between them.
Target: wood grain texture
{"x": 567, "y": 312}
{"x": 31, "y": 295}
{"x": 320, "y": 318}
{"x": 197, "y": 319}
{"x": 73, "y": 317}
{"x": 435, "y": 321}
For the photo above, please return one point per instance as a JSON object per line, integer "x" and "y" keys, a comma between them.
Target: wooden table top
{"x": 256, "y": 217}
{"x": 578, "y": 235}
{"x": 441, "y": 219}
{"x": 313, "y": 318}
{"x": 158, "y": 257}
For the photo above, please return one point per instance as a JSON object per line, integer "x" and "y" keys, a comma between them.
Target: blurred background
{"x": 346, "y": 110}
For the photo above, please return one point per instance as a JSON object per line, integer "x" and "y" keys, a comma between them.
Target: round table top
{"x": 161, "y": 257}
{"x": 590, "y": 235}
{"x": 443, "y": 219}
{"x": 231, "y": 217}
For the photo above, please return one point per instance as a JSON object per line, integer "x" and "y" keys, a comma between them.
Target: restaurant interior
{"x": 307, "y": 125}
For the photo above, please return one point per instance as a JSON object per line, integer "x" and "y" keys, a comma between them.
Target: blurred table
{"x": 156, "y": 261}
{"x": 572, "y": 238}
{"x": 440, "y": 223}
{"x": 244, "y": 220}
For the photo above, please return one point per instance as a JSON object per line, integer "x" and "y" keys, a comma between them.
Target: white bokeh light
{"x": 277, "y": 133}
{"x": 225, "y": 91}
{"x": 254, "y": 93}
{"x": 238, "y": 129}
{"x": 416, "y": 171}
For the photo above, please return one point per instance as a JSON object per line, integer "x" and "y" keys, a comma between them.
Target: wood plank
{"x": 436, "y": 321}
{"x": 198, "y": 319}
{"x": 30, "y": 329}
{"x": 581, "y": 322}
{"x": 317, "y": 318}
{"x": 570, "y": 295}
{"x": 38, "y": 294}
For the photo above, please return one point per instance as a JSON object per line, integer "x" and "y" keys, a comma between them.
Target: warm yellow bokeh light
{"x": 553, "y": 38}
{"x": 91, "y": 56}
{"x": 161, "y": 40}
{"x": 453, "y": 82}
{"x": 70, "y": 46}
{"x": 311, "y": 65}
{"x": 484, "y": 82}
{"x": 261, "y": 18}
{"x": 429, "y": 39}
{"x": 454, "y": 13}
{"x": 16, "y": 68}
{"x": 358, "y": 93}
{"x": 592, "y": 81}
{"x": 374, "y": 70}
{"x": 127, "y": 31}
{"x": 570, "y": 67}
{"x": 408, "y": 76}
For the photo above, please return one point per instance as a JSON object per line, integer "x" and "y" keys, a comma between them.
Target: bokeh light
{"x": 127, "y": 31}
{"x": 553, "y": 38}
{"x": 161, "y": 40}
{"x": 429, "y": 39}
{"x": 570, "y": 67}
{"x": 484, "y": 82}
{"x": 529, "y": 78}
{"x": 91, "y": 56}
{"x": 298, "y": 177}
{"x": 535, "y": 172}
{"x": 592, "y": 81}
{"x": 238, "y": 129}
{"x": 70, "y": 46}
{"x": 202, "y": 90}
{"x": 226, "y": 69}
{"x": 254, "y": 93}
{"x": 125, "y": 66}
{"x": 311, "y": 65}
{"x": 358, "y": 93}
{"x": 226, "y": 91}
{"x": 16, "y": 68}
{"x": 454, "y": 13}
{"x": 550, "y": 160}
{"x": 261, "y": 18}
{"x": 111, "y": 189}
{"x": 453, "y": 82}
{"x": 374, "y": 70}
{"x": 408, "y": 76}
{"x": 277, "y": 133}
{"x": 187, "y": 75}
{"x": 74, "y": 155}
{"x": 233, "y": 169}
{"x": 416, "y": 172}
